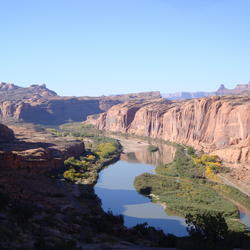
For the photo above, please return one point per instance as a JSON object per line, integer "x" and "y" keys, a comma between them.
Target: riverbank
{"x": 137, "y": 144}
{"x": 238, "y": 177}
{"x": 81, "y": 177}
{"x": 182, "y": 186}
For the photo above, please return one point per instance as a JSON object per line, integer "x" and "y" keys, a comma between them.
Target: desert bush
{"x": 105, "y": 150}
{"x": 190, "y": 151}
{"x": 152, "y": 148}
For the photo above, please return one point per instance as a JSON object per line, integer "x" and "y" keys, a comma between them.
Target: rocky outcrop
{"x": 34, "y": 149}
{"x": 240, "y": 89}
{"x": 6, "y": 134}
{"x": 11, "y": 92}
{"x": 37, "y": 104}
{"x": 220, "y": 125}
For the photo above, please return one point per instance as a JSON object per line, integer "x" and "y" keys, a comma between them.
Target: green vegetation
{"x": 232, "y": 193}
{"x": 189, "y": 185}
{"x": 182, "y": 166}
{"x": 105, "y": 150}
{"x": 210, "y": 231}
{"x": 78, "y": 130}
{"x": 85, "y": 168}
{"x": 152, "y": 148}
{"x": 184, "y": 196}
{"x": 208, "y": 226}
{"x": 190, "y": 151}
{"x": 100, "y": 150}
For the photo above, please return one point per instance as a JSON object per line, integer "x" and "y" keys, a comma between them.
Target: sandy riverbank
{"x": 132, "y": 144}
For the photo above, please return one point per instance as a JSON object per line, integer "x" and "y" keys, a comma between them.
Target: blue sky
{"x": 95, "y": 47}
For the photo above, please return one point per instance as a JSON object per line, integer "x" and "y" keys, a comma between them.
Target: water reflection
{"x": 245, "y": 218}
{"x": 164, "y": 155}
{"x": 116, "y": 190}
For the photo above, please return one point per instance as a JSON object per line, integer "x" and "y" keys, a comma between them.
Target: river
{"x": 116, "y": 190}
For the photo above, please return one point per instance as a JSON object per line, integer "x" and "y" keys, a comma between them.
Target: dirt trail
{"x": 230, "y": 183}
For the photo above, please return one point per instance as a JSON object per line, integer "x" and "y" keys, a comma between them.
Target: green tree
{"x": 208, "y": 226}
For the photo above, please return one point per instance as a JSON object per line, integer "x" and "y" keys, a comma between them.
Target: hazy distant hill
{"x": 222, "y": 90}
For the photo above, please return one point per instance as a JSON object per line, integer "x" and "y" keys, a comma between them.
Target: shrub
{"x": 72, "y": 162}
{"x": 90, "y": 158}
{"x": 210, "y": 174}
{"x": 72, "y": 175}
{"x": 190, "y": 151}
{"x": 207, "y": 226}
{"x": 105, "y": 150}
{"x": 152, "y": 148}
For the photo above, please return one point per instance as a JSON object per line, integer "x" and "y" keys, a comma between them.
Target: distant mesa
{"x": 7, "y": 86}
{"x": 38, "y": 104}
{"x": 11, "y": 92}
{"x": 221, "y": 88}
{"x": 240, "y": 89}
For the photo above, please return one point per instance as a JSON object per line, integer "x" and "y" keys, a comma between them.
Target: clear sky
{"x": 95, "y": 47}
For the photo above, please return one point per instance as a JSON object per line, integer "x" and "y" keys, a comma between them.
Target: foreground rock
{"x": 33, "y": 148}
{"x": 6, "y": 134}
{"x": 39, "y": 210}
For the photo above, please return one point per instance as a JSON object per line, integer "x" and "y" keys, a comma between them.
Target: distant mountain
{"x": 240, "y": 89}
{"x": 11, "y": 92}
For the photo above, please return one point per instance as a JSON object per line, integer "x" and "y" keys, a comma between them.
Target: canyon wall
{"x": 6, "y": 134}
{"x": 219, "y": 125}
{"x": 37, "y": 104}
{"x": 34, "y": 150}
{"x": 54, "y": 111}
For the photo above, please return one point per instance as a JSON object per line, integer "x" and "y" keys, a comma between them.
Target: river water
{"x": 116, "y": 190}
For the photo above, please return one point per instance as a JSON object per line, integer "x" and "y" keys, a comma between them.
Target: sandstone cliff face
{"x": 37, "y": 104}
{"x": 6, "y": 134}
{"x": 52, "y": 111}
{"x": 34, "y": 150}
{"x": 215, "y": 124}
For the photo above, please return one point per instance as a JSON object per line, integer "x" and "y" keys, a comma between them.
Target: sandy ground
{"x": 132, "y": 144}
{"x": 238, "y": 177}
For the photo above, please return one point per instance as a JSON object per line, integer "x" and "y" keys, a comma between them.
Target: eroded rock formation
{"x": 37, "y": 104}
{"x": 240, "y": 89}
{"x": 34, "y": 149}
{"x": 6, "y": 134}
{"x": 220, "y": 125}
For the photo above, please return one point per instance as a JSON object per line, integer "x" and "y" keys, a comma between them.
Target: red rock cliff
{"x": 34, "y": 149}
{"x": 215, "y": 124}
